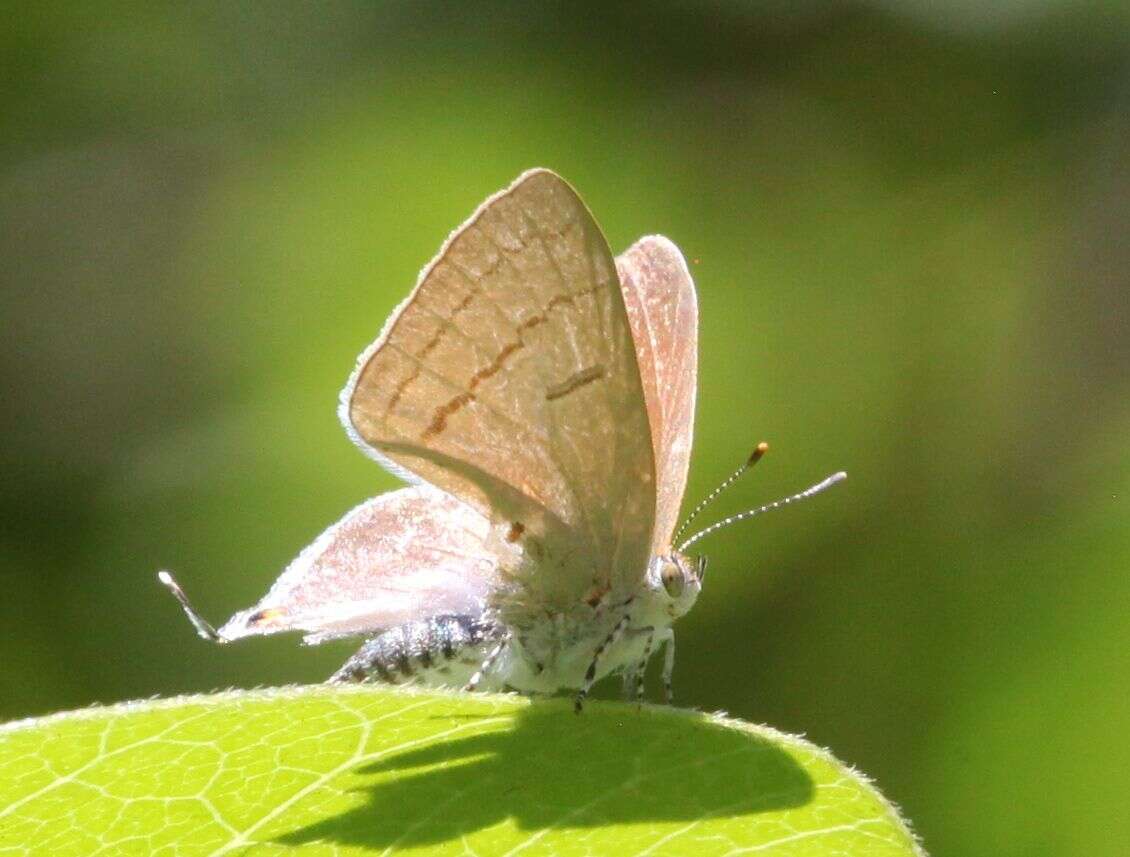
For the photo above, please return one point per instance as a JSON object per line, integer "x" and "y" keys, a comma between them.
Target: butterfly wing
{"x": 509, "y": 379}
{"x": 393, "y": 559}
{"x": 663, "y": 311}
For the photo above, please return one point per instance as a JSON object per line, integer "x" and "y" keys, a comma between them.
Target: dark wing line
{"x": 459, "y": 388}
{"x": 479, "y": 291}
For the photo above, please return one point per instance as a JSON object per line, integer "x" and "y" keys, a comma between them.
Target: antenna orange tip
{"x": 758, "y": 451}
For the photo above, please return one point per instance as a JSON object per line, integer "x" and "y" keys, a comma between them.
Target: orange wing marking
{"x": 452, "y": 406}
{"x": 430, "y": 345}
{"x": 439, "y": 421}
{"x": 267, "y": 617}
{"x": 575, "y": 382}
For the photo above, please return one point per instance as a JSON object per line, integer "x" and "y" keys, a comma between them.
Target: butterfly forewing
{"x": 663, "y": 311}
{"x": 406, "y": 554}
{"x": 509, "y": 379}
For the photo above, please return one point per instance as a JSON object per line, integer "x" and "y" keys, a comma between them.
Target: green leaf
{"x": 364, "y": 770}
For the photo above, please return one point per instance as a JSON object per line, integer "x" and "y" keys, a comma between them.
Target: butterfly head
{"x": 677, "y": 579}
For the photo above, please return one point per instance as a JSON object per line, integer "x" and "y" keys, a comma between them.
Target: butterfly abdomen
{"x": 439, "y": 651}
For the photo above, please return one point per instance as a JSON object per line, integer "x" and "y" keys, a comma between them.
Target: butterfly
{"x": 538, "y": 394}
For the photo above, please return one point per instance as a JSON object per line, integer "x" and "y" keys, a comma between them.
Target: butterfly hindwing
{"x": 399, "y": 556}
{"x": 663, "y": 311}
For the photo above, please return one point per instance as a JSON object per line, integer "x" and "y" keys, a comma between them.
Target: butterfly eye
{"x": 673, "y": 579}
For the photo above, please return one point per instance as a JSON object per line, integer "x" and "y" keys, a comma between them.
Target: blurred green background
{"x": 908, "y": 223}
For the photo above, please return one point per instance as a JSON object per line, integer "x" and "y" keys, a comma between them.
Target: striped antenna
{"x": 754, "y": 457}
{"x": 834, "y": 479}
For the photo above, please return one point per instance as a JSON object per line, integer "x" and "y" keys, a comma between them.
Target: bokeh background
{"x": 908, "y": 225}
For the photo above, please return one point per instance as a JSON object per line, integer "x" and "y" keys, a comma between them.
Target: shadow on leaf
{"x": 616, "y": 764}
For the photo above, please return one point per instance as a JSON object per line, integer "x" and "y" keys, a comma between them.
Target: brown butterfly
{"x": 539, "y": 394}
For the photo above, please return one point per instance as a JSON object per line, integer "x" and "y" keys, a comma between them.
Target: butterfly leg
{"x": 630, "y": 681}
{"x": 538, "y": 666}
{"x": 487, "y": 663}
{"x": 590, "y": 674}
{"x": 640, "y": 671}
{"x": 412, "y": 650}
{"x": 635, "y": 675}
{"x": 667, "y": 640}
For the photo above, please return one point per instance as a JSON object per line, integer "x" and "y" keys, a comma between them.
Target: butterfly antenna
{"x": 834, "y": 479}
{"x": 754, "y": 457}
{"x": 203, "y": 626}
